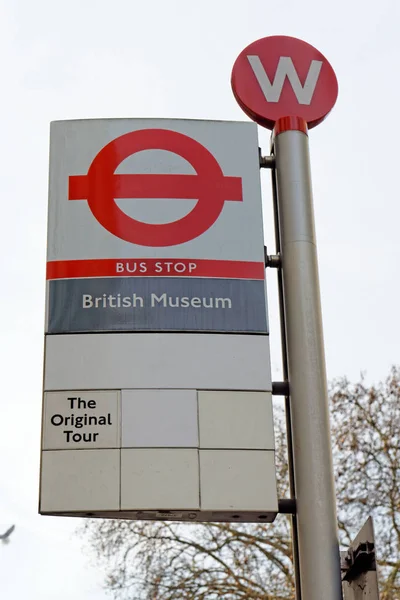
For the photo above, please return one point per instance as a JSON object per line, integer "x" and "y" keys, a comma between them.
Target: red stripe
{"x": 290, "y": 124}
{"x": 159, "y": 186}
{"x": 151, "y": 267}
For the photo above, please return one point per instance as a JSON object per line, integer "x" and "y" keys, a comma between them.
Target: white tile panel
{"x": 159, "y": 418}
{"x": 229, "y": 419}
{"x": 240, "y": 480}
{"x": 81, "y": 419}
{"x": 194, "y": 361}
{"x": 165, "y": 479}
{"x": 79, "y": 480}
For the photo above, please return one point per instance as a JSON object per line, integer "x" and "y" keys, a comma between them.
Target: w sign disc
{"x": 282, "y": 76}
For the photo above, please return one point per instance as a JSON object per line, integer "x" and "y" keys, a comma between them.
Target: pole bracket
{"x": 273, "y": 261}
{"x": 280, "y": 388}
{"x": 267, "y": 162}
{"x": 287, "y": 506}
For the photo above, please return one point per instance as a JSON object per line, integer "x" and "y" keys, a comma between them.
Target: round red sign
{"x": 281, "y": 76}
{"x": 101, "y": 186}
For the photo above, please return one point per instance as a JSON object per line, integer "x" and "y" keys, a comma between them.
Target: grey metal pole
{"x": 313, "y": 472}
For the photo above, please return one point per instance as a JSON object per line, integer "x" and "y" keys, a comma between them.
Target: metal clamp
{"x": 359, "y": 560}
{"x": 273, "y": 261}
{"x": 287, "y": 506}
{"x": 267, "y": 162}
{"x": 280, "y": 388}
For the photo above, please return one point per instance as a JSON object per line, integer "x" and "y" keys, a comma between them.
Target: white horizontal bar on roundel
{"x": 193, "y": 361}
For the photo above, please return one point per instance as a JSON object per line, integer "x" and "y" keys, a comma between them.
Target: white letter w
{"x": 272, "y": 92}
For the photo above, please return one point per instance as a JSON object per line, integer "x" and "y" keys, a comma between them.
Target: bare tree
{"x": 165, "y": 561}
{"x": 366, "y": 434}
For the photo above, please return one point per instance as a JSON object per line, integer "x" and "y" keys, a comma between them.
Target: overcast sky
{"x": 95, "y": 58}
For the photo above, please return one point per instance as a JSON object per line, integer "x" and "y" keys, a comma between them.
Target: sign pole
{"x": 271, "y": 78}
{"x": 313, "y": 472}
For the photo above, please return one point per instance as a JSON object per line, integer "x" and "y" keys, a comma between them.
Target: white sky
{"x": 92, "y": 58}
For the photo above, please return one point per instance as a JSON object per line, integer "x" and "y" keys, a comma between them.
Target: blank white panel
{"x": 196, "y": 361}
{"x": 241, "y": 480}
{"x": 236, "y": 420}
{"x": 159, "y": 418}
{"x": 79, "y": 480}
{"x": 164, "y": 479}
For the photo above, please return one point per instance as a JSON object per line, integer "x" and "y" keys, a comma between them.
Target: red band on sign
{"x": 150, "y": 267}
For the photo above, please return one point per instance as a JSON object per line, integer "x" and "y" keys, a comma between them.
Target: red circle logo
{"x": 101, "y": 186}
{"x": 281, "y": 76}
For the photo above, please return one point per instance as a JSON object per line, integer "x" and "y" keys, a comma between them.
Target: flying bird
{"x": 5, "y": 537}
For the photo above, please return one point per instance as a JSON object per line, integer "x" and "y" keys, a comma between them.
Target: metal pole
{"x": 313, "y": 472}
{"x": 285, "y": 369}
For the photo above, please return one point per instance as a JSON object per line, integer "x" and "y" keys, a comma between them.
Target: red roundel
{"x": 281, "y": 76}
{"x": 102, "y": 186}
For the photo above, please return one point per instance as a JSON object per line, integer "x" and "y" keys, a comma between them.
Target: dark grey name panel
{"x": 156, "y": 304}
